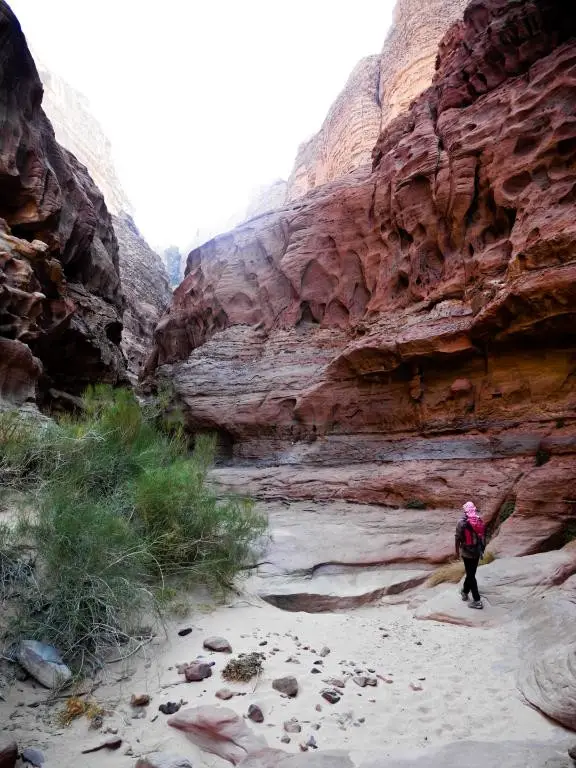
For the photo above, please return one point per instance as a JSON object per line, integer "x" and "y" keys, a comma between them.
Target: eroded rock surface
{"x": 61, "y": 301}
{"x": 416, "y": 315}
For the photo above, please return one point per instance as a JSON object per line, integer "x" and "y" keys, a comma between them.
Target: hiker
{"x": 470, "y": 543}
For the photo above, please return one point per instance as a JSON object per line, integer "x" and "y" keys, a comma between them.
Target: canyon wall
{"x": 142, "y": 272}
{"x": 61, "y": 301}
{"x": 379, "y": 88}
{"x": 406, "y": 337}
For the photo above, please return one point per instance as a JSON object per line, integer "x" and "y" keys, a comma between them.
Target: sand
{"x": 450, "y": 683}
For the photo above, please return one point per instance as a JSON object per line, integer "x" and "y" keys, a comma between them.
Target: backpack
{"x": 473, "y": 541}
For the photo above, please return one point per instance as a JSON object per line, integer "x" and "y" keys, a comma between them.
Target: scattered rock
{"x": 8, "y": 754}
{"x": 285, "y": 739}
{"x": 360, "y": 680}
{"x": 182, "y": 633}
{"x": 319, "y": 663}
{"x": 218, "y": 644}
{"x": 44, "y": 663}
{"x": 415, "y": 687}
{"x": 170, "y": 708}
{"x": 318, "y": 707}
{"x": 263, "y": 642}
{"x": 331, "y": 696}
{"x": 112, "y": 744}
{"x": 286, "y": 685}
{"x": 335, "y": 682}
{"x": 255, "y": 713}
{"x": 315, "y": 671}
{"x": 303, "y": 747}
{"x": 197, "y": 671}
{"x": 292, "y": 660}
{"x": 312, "y": 742}
{"x": 140, "y": 700}
{"x": 292, "y": 726}
{"x": 163, "y": 760}
{"x": 224, "y": 694}
{"x": 324, "y": 651}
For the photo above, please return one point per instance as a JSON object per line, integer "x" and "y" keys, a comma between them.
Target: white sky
{"x": 203, "y": 100}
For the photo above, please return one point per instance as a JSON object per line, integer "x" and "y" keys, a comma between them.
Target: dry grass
{"x": 452, "y": 573}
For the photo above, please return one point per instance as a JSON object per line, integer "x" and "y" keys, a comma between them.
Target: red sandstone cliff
{"x": 61, "y": 301}
{"x": 409, "y": 334}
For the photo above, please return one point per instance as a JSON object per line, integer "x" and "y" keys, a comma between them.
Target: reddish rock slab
{"x": 219, "y": 731}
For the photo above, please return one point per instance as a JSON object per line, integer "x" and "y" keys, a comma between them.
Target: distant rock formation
{"x": 174, "y": 261}
{"x": 61, "y": 301}
{"x": 144, "y": 278}
{"x": 379, "y": 88}
{"x": 406, "y": 335}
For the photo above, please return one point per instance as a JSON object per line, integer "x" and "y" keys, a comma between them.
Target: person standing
{"x": 470, "y": 544}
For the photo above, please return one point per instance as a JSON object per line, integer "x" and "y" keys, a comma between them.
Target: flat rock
{"x": 163, "y": 760}
{"x": 255, "y": 714}
{"x": 33, "y": 757}
{"x": 219, "y": 731}
{"x": 44, "y": 663}
{"x": 196, "y": 672}
{"x": 218, "y": 644}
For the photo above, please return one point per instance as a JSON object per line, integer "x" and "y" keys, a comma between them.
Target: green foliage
{"x": 121, "y": 508}
{"x": 506, "y": 510}
{"x": 415, "y": 504}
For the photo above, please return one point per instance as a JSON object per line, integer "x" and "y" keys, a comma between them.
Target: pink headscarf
{"x": 473, "y": 517}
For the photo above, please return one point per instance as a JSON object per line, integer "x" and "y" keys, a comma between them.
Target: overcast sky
{"x": 203, "y": 100}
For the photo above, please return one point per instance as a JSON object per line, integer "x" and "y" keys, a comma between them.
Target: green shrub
{"x": 506, "y": 510}
{"x": 415, "y": 504}
{"x": 122, "y": 510}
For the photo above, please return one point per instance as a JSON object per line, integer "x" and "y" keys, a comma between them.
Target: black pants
{"x": 470, "y": 584}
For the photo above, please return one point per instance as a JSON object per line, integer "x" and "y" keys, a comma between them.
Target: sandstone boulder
{"x": 219, "y": 731}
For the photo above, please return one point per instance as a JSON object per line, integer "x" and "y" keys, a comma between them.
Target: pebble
{"x": 185, "y": 631}
{"x": 287, "y": 685}
{"x": 315, "y": 671}
{"x": 196, "y": 672}
{"x": 140, "y": 700}
{"x": 292, "y": 726}
{"x": 331, "y": 696}
{"x": 335, "y": 682}
{"x": 170, "y": 708}
{"x": 324, "y": 651}
{"x": 285, "y": 739}
{"x": 255, "y": 713}
{"x": 224, "y": 694}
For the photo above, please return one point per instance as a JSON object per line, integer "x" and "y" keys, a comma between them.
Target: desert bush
{"x": 122, "y": 510}
{"x": 453, "y": 572}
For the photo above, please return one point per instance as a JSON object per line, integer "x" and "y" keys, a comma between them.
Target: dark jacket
{"x": 468, "y": 541}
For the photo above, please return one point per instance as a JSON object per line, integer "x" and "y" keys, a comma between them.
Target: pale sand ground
{"x": 468, "y": 687}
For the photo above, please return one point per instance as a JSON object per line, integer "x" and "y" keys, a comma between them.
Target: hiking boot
{"x": 463, "y": 595}
{"x": 478, "y": 604}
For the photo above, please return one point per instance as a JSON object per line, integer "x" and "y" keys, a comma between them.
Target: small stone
{"x": 8, "y": 754}
{"x": 170, "y": 708}
{"x": 163, "y": 760}
{"x": 312, "y": 742}
{"x": 335, "y": 682}
{"x": 287, "y": 685}
{"x": 372, "y": 681}
{"x": 319, "y": 663}
{"x": 224, "y": 694}
{"x": 318, "y": 707}
{"x": 196, "y": 672}
{"x": 292, "y": 726}
{"x": 183, "y": 633}
{"x": 315, "y": 726}
{"x": 331, "y": 696}
{"x": 292, "y": 660}
{"x": 324, "y": 651}
{"x": 285, "y": 739}
{"x": 303, "y": 747}
{"x": 361, "y": 719}
{"x": 140, "y": 700}
{"x": 263, "y": 642}
{"x": 32, "y": 756}
{"x": 315, "y": 671}
{"x": 218, "y": 644}
{"x": 255, "y": 713}
{"x": 415, "y": 687}
{"x": 360, "y": 680}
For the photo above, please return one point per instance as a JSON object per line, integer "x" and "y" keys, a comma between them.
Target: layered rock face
{"x": 61, "y": 301}
{"x": 407, "y": 337}
{"x": 379, "y": 88}
{"x": 144, "y": 278}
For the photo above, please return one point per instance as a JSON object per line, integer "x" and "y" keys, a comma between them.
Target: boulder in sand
{"x": 44, "y": 663}
{"x": 194, "y": 673}
{"x": 219, "y": 731}
{"x": 218, "y": 644}
{"x": 286, "y": 685}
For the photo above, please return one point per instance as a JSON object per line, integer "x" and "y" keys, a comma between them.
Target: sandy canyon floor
{"x": 448, "y": 683}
